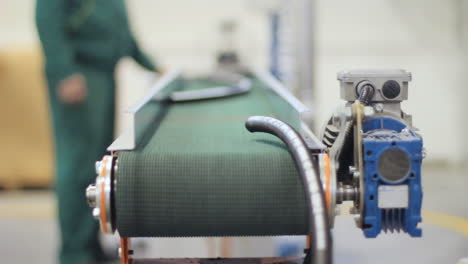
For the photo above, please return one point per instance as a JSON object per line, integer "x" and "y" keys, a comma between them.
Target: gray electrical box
{"x": 391, "y": 85}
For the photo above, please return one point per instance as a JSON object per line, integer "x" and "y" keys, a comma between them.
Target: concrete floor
{"x": 28, "y": 232}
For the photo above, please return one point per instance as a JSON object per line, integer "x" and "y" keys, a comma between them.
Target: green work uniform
{"x": 86, "y": 37}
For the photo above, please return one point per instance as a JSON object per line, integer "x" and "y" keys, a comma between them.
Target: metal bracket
{"x": 138, "y": 115}
{"x": 296, "y": 118}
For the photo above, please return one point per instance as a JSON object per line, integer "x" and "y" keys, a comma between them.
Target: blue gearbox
{"x": 393, "y": 154}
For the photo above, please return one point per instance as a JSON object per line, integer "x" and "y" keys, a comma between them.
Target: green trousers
{"x": 82, "y": 134}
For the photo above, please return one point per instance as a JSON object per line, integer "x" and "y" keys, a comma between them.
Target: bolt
{"x": 356, "y": 175}
{"x": 378, "y": 108}
{"x": 98, "y": 167}
{"x": 96, "y": 213}
{"x": 91, "y": 195}
{"x": 345, "y": 193}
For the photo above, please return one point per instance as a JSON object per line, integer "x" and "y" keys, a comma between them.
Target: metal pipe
{"x": 321, "y": 251}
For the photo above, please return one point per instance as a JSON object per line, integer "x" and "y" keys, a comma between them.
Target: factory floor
{"x": 28, "y": 231}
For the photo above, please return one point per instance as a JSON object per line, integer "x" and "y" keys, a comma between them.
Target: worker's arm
{"x": 140, "y": 57}
{"x": 136, "y": 53}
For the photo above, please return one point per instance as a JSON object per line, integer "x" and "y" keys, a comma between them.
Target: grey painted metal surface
{"x": 349, "y": 79}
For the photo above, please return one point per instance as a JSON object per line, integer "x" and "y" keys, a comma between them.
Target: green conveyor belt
{"x": 199, "y": 172}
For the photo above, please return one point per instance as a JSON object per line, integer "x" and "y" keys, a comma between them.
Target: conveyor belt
{"x": 199, "y": 172}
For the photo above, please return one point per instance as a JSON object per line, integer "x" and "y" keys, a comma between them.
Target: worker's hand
{"x": 72, "y": 90}
{"x": 160, "y": 71}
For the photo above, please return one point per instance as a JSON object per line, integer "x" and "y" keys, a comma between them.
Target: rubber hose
{"x": 321, "y": 237}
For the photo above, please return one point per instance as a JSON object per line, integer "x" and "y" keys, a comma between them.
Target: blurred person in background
{"x": 82, "y": 42}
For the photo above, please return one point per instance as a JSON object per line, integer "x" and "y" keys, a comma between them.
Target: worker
{"x": 82, "y": 42}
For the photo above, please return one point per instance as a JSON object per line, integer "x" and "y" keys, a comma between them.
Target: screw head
{"x": 91, "y": 195}
{"x": 98, "y": 167}
{"x": 96, "y": 213}
{"x": 378, "y": 108}
{"x": 356, "y": 174}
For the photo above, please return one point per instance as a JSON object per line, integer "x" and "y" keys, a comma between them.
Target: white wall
{"x": 17, "y": 22}
{"x": 185, "y": 34}
{"x": 181, "y": 33}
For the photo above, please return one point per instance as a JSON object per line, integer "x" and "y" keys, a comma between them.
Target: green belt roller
{"x": 198, "y": 172}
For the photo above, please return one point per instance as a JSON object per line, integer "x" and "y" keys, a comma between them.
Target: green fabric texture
{"x": 201, "y": 173}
